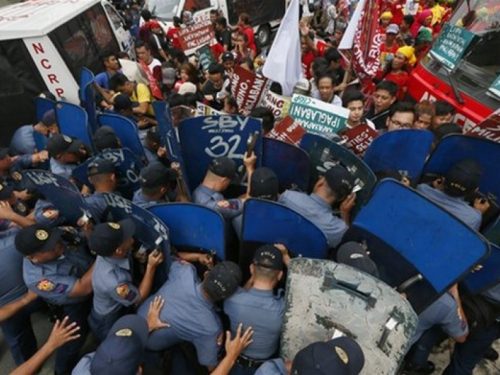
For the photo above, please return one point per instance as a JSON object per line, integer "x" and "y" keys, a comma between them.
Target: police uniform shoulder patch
{"x": 124, "y": 291}
{"x": 50, "y": 213}
{"x": 45, "y": 285}
{"x": 223, "y": 204}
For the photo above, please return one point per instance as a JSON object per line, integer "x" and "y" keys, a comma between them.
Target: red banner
{"x": 193, "y": 37}
{"x": 489, "y": 128}
{"x": 248, "y": 89}
{"x": 153, "y": 85}
{"x": 287, "y": 131}
{"x": 367, "y": 41}
{"x": 359, "y": 138}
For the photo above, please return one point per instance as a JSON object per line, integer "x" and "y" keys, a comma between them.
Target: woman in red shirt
{"x": 396, "y": 70}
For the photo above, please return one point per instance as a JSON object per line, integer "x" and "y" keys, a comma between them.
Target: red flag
{"x": 153, "y": 85}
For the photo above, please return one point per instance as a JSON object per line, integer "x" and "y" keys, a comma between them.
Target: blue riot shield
{"x": 126, "y": 131}
{"x": 62, "y": 193}
{"x": 73, "y": 121}
{"x": 150, "y": 231}
{"x": 169, "y": 137}
{"x": 417, "y": 246}
{"x": 324, "y": 154}
{"x": 487, "y": 276}
{"x": 205, "y": 138}
{"x": 267, "y": 222}
{"x": 402, "y": 150}
{"x": 127, "y": 170}
{"x": 193, "y": 226}
{"x": 87, "y": 97}
{"x": 290, "y": 163}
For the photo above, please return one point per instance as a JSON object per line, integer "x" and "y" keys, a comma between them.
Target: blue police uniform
{"x": 97, "y": 206}
{"x": 83, "y": 366}
{"x": 113, "y": 293}
{"x": 318, "y": 211}
{"x": 151, "y": 156}
{"x": 17, "y": 330}
{"x": 47, "y": 214}
{"x": 23, "y": 141}
{"x": 192, "y": 317}
{"x": 54, "y": 281}
{"x": 263, "y": 311}
{"x": 228, "y": 208}
{"x": 456, "y": 206}
{"x": 145, "y": 203}
{"x": 272, "y": 367}
{"x": 60, "y": 169}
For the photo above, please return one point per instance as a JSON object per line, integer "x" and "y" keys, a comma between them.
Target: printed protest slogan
{"x": 287, "y": 130}
{"x": 193, "y": 37}
{"x": 248, "y": 89}
{"x": 359, "y": 138}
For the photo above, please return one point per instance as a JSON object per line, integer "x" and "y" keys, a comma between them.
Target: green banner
{"x": 451, "y": 44}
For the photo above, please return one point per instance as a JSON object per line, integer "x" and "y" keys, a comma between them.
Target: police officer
{"x": 155, "y": 152}
{"x": 191, "y": 310}
{"x": 23, "y": 140}
{"x": 449, "y": 192}
{"x": 334, "y": 187}
{"x": 101, "y": 174}
{"x": 114, "y": 290}
{"x": 13, "y": 211}
{"x": 342, "y": 355}
{"x": 158, "y": 185}
{"x": 220, "y": 174}
{"x": 258, "y": 307}
{"x": 65, "y": 154}
{"x": 105, "y": 139}
{"x": 17, "y": 330}
{"x": 59, "y": 270}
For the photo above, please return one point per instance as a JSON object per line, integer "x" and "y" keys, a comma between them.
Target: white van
{"x": 43, "y": 46}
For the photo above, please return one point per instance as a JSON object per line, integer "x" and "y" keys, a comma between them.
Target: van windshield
{"x": 164, "y": 9}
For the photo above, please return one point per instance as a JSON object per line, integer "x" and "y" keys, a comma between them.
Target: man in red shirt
{"x": 173, "y": 33}
{"x": 244, "y": 27}
{"x": 390, "y": 47}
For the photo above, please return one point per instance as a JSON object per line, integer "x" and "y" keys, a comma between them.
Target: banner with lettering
{"x": 287, "y": 130}
{"x": 489, "y": 128}
{"x": 279, "y": 104}
{"x": 248, "y": 89}
{"x": 153, "y": 84}
{"x": 205, "y": 110}
{"x": 195, "y": 36}
{"x": 316, "y": 116}
{"x": 451, "y": 44}
{"x": 359, "y": 138}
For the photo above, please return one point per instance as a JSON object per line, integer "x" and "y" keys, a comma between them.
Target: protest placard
{"x": 277, "y": 103}
{"x": 359, "y": 138}
{"x": 206, "y": 56}
{"x": 287, "y": 130}
{"x": 248, "y": 88}
{"x": 451, "y": 44}
{"x": 205, "y": 110}
{"x": 316, "y": 116}
{"x": 195, "y": 36}
{"x": 489, "y": 128}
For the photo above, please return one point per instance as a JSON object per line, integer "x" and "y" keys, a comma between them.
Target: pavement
{"x": 43, "y": 327}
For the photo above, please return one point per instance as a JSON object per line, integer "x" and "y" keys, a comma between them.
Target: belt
{"x": 249, "y": 362}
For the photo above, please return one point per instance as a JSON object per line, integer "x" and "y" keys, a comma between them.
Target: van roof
{"x": 38, "y": 17}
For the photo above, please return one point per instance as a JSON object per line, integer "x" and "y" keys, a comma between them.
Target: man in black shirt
{"x": 223, "y": 33}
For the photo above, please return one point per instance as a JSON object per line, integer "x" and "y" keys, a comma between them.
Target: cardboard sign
{"x": 196, "y": 36}
{"x": 277, "y": 103}
{"x": 206, "y": 56}
{"x": 316, "y": 116}
{"x": 451, "y": 44}
{"x": 205, "y": 110}
{"x": 288, "y": 130}
{"x": 489, "y": 128}
{"x": 127, "y": 169}
{"x": 359, "y": 138}
{"x": 205, "y": 138}
{"x": 248, "y": 88}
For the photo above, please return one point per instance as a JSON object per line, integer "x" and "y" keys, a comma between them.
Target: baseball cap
{"x": 154, "y": 25}
{"x": 340, "y": 181}
{"x": 223, "y": 167}
{"x": 107, "y": 237}
{"x": 60, "y": 143}
{"x": 222, "y": 281}
{"x": 123, "y": 101}
{"x": 264, "y": 184}
{"x": 341, "y": 356}
{"x": 268, "y": 256}
{"x": 302, "y": 87}
{"x": 463, "y": 178}
{"x": 122, "y": 350}
{"x": 156, "y": 175}
{"x": 392, "y": 29}
{"x": 36, "y": 238}
{"x": 154, "y": 135}
{"x": 100, "y": 166}
{"x": 168, "y": 76}
{"x": 187, "y": 88}
{"x": 105, "y": 138}
{"x": 354, "y": 254}
{"x": 6, "y": 191}
{"x": 49, "y": 117}
{"x": 227, "y": 56}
